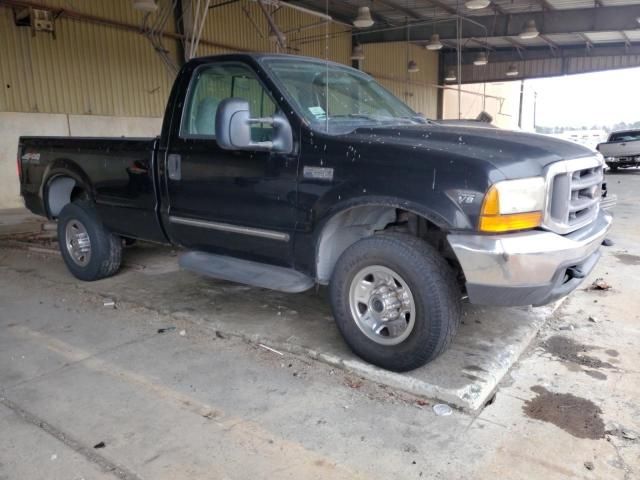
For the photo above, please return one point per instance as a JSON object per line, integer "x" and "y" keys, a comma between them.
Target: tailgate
{"x": 620, "y": 149}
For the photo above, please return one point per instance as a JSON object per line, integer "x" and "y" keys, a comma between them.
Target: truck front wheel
{"x": 395, "y": 301}
{"x": 89, "y": 250}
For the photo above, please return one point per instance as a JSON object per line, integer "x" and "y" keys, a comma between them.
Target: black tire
{"x": 614, "y": 168}
{"x": 434, "y": 288}
{"x": 105, "y": 247}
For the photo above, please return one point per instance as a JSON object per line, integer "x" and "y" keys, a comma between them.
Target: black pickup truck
{"x": 285, "y": 172}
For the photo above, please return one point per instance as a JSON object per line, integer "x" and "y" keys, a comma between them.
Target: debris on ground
{"x": 54, "y": 457}
{"x": 593, "y": 319}
{"x": 353, "y": 383}
{"x": 209, "y": 414}
{"x": 166, "y": 329}
{"x": 183, "y": 333}
{"x": 607, "y": 242}
{"x": 270, "y": 349}
{"x": 567, "y": 326}
{"x": 100, "y": 445}
{"x": 442, "y": 409}
{"x": 219, "y": 334}
{"x": 109, "y": 303}
{"x": 599, "y": 284}
{"x": 589, "y": 465}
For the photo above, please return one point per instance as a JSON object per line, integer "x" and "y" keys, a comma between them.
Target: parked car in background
{"x": 622, "y": 149}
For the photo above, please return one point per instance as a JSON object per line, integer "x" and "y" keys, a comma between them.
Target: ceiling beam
{"x": 542, "y": 53}
{"x": 581, "y": 20}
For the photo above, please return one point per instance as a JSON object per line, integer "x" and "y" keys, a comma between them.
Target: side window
{"x": 212, "y": 84}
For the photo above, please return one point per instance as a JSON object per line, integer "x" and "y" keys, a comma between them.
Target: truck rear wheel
{"x": 89, "y": 250}
{"x": 395, "y": 301}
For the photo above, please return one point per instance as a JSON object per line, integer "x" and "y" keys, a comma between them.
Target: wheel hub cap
{"x": 78, "y": 243}
{"x": 382, "y": 305}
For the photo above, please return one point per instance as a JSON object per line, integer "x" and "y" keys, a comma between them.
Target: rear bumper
{"x": 528, "y": 268}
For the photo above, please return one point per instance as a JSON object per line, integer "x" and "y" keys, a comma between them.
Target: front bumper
{"x": 528, "y": 268}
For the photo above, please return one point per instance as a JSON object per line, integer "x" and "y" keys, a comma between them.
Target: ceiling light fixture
{"x": 477, "y": 4}
{"x": 434, "y": 43}
{"x": 481, "y": 59}
{"x": 357, "y": 53}
{"x": 512, "y": 71}
{"x": 363, "y": 20}
{"x": 450, "y": 76}
{"x": 530, "y": 31}
{"x": 412, "y": 67}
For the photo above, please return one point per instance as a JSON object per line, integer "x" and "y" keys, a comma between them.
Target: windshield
{"x": 625, "y": 136}
{"x": 336, "y": 99}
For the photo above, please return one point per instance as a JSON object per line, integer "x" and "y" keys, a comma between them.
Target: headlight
{"x": 513, "y": 205}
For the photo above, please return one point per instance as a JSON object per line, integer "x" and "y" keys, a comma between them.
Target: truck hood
{"x": 515, "y": 154}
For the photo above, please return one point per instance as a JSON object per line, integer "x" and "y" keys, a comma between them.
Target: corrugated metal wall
{"x": 387, "y": 62}
{"x": 86, "y": 69}
{"x": 103, "y": 70}
{"x": 244, "y": 26}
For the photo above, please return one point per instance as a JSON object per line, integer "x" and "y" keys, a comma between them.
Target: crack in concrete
{"x": 106, "y": 465}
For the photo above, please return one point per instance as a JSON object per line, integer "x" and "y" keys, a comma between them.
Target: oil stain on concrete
{"x": 575, "y": 415}
{"x": 566, "y": 349}
{"x": 627, "y": 258}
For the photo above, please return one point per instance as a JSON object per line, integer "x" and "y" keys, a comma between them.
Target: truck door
{"x": 239, "y": 203}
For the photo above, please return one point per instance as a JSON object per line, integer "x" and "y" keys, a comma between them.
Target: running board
{"x": 246, "y": 272}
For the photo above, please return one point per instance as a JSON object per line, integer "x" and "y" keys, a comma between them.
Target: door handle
{"x": 174, "y": 169}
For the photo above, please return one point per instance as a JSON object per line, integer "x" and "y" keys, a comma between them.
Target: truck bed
{"x": 118, "y": 173}
{"x": 620, "y": 149}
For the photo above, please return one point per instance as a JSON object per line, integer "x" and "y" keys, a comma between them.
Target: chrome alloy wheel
{"x": 78, "y": 242}
{"x": 382, "y": 305}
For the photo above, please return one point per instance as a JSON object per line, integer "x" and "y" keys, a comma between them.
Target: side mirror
{"x": 233, "y": 128}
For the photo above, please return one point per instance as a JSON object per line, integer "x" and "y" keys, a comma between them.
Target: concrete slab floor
{"x": 489, "y": 341}
{"x": 201, "y": 406}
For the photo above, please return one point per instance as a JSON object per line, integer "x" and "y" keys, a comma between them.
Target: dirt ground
{"x": 91, "y": 389}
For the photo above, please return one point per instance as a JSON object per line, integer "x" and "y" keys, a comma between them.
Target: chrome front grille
{"x": 573, "y": 196}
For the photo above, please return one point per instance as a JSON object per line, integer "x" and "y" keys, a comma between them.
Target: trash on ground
{"x": 567, "y": 327}
{"x": 607, "y": 242}
{"x": 593, "y": 319}
{"x": 109, "y": 303}
{"x": 629, "y": 435}
{"x": 270, "y": 349}
{"x": 589, "y": 465}
{"x": 100, "y": 445}
{"x": 54, "y": 457}
{"x": 442, "y": 409}
{"x": 183, "y": 333}
{"x": 599, "y": 284}
{"x": 166, "y": 329}
{"x": 219, "y": 334}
